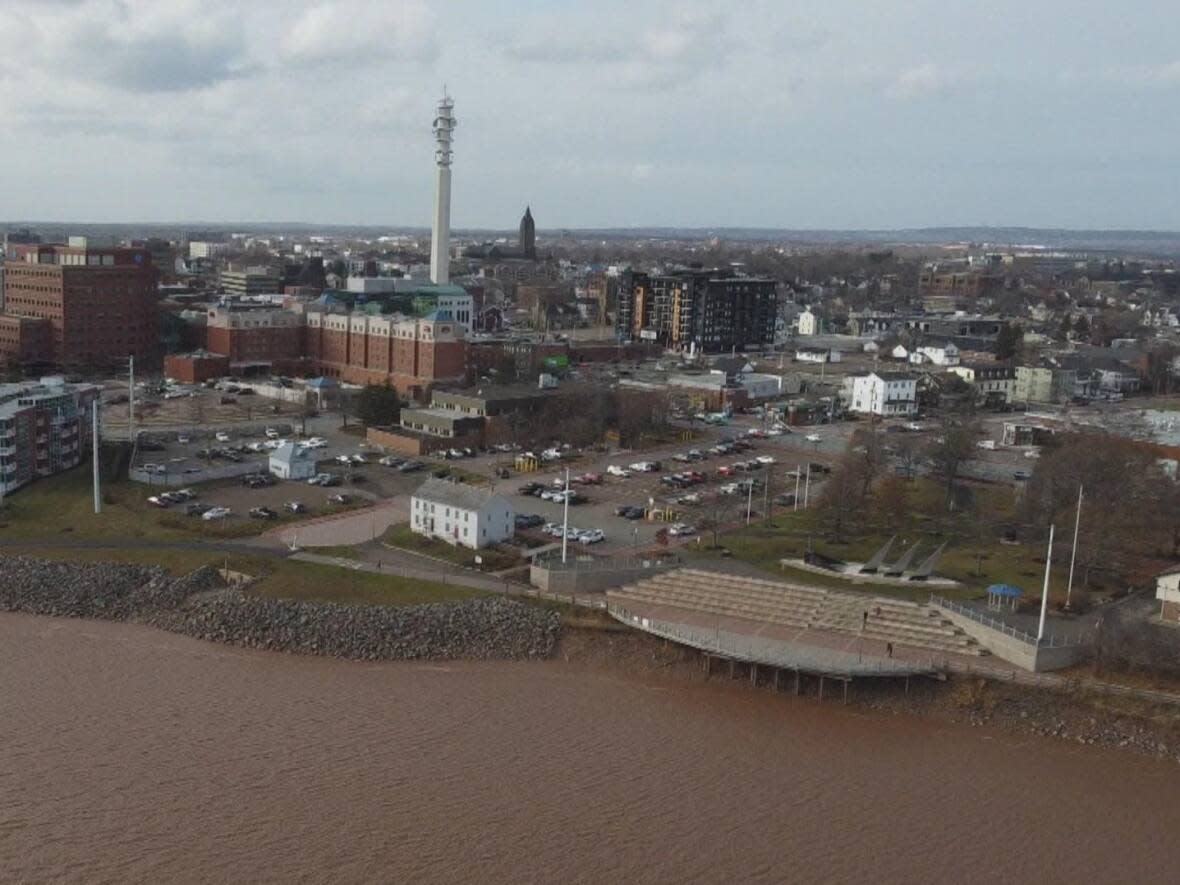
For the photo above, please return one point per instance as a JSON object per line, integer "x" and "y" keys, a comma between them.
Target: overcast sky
{"x": 767, "y": 113}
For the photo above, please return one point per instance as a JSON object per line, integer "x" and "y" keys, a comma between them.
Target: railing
{"x": 606, "y": 563}
{"x": 1008, "y": 630}
{"x": 790, "y": 656}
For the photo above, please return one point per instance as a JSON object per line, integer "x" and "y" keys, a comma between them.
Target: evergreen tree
{"x": 378, "y": 405}
{"x": 1008, "y": 342}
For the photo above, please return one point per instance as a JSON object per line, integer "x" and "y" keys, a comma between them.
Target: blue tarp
{"x": 1004, "y": 590}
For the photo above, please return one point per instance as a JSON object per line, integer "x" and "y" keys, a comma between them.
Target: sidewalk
{"x": 344, "y": 529}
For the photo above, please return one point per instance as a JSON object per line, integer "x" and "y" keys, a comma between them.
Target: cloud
{"x": 923, "y": 81}
{"x": 173, "y": 47}
{"x": 663, "y": 55}
{"x": 340, "y": 30}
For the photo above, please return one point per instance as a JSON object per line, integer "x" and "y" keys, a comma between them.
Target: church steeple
{"x": 528, "y": 235}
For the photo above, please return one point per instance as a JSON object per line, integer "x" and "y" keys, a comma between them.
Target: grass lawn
{"x": 312, "y": 582}
{"x": 64, "y": 505}
{"x": 493, "y": 560}
{"x": 973, "y": 556}
{"x": 280, "y": 578}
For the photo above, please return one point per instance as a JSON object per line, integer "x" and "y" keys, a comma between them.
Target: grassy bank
{"x": 492, "y": 559}
{"x": 278, "y": 578}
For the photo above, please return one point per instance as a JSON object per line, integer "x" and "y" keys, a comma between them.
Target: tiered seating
{"x": 803, "y": 607}
{"x": 753, "y": 599}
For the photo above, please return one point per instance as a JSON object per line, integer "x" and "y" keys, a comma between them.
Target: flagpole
{"x": 1045, "y": 591}
{"x": 1074, "y": 553}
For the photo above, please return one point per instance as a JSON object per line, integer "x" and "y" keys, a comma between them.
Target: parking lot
{"x": 186, "y": 450}
{"x": 646, "y": 490}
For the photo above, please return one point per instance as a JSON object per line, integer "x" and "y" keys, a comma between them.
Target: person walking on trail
{"x": 889, "y": 649}
{"x": 864, "y": 619}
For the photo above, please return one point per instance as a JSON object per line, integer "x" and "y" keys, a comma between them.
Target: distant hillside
{"x": 1144, "y": 242}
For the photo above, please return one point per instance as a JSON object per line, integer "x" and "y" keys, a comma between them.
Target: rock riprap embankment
{"x": 198, "y": 605}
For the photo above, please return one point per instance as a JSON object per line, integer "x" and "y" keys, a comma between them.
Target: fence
{"x": 1008, "y": 630}
{"x": 169, "y": 478}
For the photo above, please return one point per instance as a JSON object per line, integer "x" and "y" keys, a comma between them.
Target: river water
{"x": 128, "y": 754}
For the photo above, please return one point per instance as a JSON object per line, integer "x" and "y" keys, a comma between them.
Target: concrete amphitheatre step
{"x": 708, "y": 601}
{"x": 889, "y": 620}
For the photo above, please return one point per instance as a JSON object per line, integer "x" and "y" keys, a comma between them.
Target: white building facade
{"x": 808, "y": 323}
{"x": 460, "y": 514}
{"x": 888, "y": 394}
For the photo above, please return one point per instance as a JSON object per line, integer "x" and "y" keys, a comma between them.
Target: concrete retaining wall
{"x": 593, "y": 579}
{"x": 1013, "y": 649}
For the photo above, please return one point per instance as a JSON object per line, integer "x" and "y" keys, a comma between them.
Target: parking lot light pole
{"x": 565, "y": 521}
{"x": 131, "y": 400}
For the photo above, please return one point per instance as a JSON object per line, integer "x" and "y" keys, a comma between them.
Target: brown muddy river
{"x": 132, "y": 755}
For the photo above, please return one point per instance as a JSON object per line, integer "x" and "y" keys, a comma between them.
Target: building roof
{"x": 895, "y": 376}
{"x": 289, "y": 452}
{"x": 453, "y": 494}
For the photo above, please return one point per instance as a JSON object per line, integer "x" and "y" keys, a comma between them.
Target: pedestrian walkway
{"x": 343, "y": 529}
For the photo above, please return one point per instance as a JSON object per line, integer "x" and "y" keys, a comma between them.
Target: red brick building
{"x": 255, "y": 337}
{"x": 101, "y": 305}
{"x": 195, "y": 368}
{"x": 412, "y": 353}
{"x": 25, "y": 340}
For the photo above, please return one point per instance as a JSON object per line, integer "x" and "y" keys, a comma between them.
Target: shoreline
{"x": 198, "y": 606}
{"x": 1075, "y": 715}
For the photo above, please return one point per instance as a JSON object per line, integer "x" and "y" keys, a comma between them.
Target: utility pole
{"x": 131, "y": 401}
{"x": 1045, "y": 590}
{"x": 766, "y": 497}
{"x": 798, "y": 479}
{"x": 94, "y": 455}
{"x": 749, "y": 500}
{"x": 1073, "y": 555}
{"x": 807, "y": 485}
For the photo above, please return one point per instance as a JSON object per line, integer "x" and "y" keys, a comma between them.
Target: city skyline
{"x": 658, "y": 115}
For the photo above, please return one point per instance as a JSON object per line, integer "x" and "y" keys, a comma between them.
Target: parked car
{"x": 316, "y": 442}
{"x": 182, "y": 439}
{"x": 294, "y": 507}
{"x": 681, "y": 529}
{"x": 221, "y": 436}
{"x": 339, "y": 499}
{"x": 530, "y": 488}
{"x": 216, "y": 513}
{"x": 591, "y": 536}
{"x": 271, "y": 433}
{"x": 262, "y": 513}
{"x": 194, "y": 509}
{"x": 628, "y": 511}
{"x": 766, "y": 459}
{"x": 410, "y": 466}
{"x": 391, "y": 461}
{"x": 615, "y": 470}
{"x": 528, "y": 520}
{"x": 158, "y": 501}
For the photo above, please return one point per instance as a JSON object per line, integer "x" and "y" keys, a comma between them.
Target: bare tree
{"x": 951, "y": 449}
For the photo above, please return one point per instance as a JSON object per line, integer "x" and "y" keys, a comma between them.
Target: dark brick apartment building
{"x": 100, "y": 305}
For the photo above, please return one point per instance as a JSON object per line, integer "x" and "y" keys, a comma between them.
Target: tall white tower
{"x": 440, "y": 241}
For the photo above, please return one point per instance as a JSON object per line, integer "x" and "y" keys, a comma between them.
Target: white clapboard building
{"x": 461, "y": 514}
